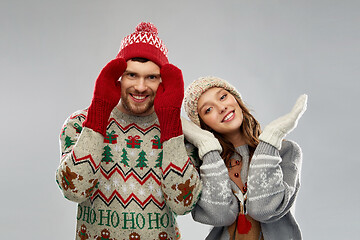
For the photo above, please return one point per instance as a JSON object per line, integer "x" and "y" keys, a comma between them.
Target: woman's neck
{"x": 236, "y": 138}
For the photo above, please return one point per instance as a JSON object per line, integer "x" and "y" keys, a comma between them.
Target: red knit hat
{"x": 144, "y": 43}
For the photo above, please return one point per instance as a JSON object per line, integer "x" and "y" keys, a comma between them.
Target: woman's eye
{"x": 223, "y": 97}
{"x": 207, "y": 110}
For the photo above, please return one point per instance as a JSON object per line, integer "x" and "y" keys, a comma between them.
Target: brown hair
{"x": 139, "y": 59}
{"x": 250, "y": 129}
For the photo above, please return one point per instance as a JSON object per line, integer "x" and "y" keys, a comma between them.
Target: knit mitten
{"x": 203, "y": 140}
{"x": 107, "y": 93}
{"x": 275, "y": 131}
{"x": 167, "y": 104}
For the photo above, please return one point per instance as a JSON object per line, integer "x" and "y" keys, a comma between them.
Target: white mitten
{"x": 203, "y": 140}
{"x": 275, "y": 131}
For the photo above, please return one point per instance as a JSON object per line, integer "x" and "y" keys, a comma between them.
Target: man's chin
{"x": 140, "y": 111}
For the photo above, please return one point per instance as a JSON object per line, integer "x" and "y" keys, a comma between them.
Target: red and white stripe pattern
{"x": 145, "y": 33}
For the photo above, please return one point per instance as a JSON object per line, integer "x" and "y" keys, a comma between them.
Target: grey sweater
{"x": 273, "y": 180}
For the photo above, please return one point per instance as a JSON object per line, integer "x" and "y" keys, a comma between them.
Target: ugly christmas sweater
{"x": 127, "y": 185}
{"x": 273, "y": 181}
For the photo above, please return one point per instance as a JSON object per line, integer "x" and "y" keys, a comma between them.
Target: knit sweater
{"x": 273, "y": 181}
{"x": 127, "y": 185}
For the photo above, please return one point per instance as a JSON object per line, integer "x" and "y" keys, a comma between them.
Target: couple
{"x": 131, "y": 162}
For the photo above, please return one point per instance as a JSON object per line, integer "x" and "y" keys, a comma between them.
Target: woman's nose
{"x": 222, "y": 108}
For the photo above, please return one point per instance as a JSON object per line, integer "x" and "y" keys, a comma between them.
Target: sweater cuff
{"x": 272, "y": 136}
{"x": 212, "y": 157}
{"x": 209, "y": 146}
{"x": 266, "y": 149}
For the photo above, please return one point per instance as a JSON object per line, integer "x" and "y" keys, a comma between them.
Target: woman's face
{"x": 220, "y": 111}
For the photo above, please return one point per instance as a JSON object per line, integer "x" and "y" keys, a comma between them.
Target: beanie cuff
{"x": 144, "y": 50}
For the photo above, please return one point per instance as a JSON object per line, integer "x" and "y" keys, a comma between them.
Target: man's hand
{"x": 169, "y": 97}
{"x": 106, "y": 95}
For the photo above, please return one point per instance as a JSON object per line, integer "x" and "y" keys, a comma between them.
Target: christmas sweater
{"x": 127, "y": 185}
{"x": 272, "y": 180}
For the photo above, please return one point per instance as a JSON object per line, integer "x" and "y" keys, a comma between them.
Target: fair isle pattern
{"x": 214, "y": 174}
{"x": 125, "y": 129}
{"x": 176, "y": 169}
{"x": 147, "y": 35}
{"x": 131, "y": 174}
{"x": 124, "y": 187}
{"x": 116, "y": 169}
{"x": 266, "y": 176}
{"x": 124, "y": 177}
{"x": 126, "y": 201}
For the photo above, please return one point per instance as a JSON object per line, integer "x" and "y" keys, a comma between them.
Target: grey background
{"x": 272, "y": 51}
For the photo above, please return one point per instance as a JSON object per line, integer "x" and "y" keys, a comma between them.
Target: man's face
{"x": 139, "y": 84}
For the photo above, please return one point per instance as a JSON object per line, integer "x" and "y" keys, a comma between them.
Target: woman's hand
{"x": 203, "y": 140}
{"x": 275, "y": 131}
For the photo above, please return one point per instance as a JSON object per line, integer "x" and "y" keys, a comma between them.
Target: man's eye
{"x": 152, "y": 77}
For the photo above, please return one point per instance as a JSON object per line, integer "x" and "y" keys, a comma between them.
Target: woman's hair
{"x": 250, "y": 128}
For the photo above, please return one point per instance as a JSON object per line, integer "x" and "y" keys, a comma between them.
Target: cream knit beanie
{"x": 198, "y": 87}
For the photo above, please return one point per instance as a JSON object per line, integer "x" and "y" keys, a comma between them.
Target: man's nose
{"x": 140, "y": 85}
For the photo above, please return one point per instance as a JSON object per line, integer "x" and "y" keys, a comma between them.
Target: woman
{"x": 250, "y": 178}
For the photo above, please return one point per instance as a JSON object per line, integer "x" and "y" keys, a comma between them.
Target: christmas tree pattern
{"x": 68, "y": 142}
{"x": 159, "y": 160}
{"x": 125, "y": 159}
{"x": 141, "y": 160}
{"x": 107, "y": 155}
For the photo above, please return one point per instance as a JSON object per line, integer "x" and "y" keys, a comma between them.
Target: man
{"x": 124, "y": 159}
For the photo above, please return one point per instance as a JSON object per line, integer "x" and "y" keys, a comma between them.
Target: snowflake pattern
{"x": 224, "y": 189}
{"x": 116, "y": 182}
{"x": 107, "y": 187}
{"x": 208, "y": 189}
{"x": 141, "y": 192}
{"x": 117, "y": 148}
{"x": 132, "y": 186}
{"x": 152, "y": 153}
{"x": 159, "y": 193}
{"x": 124, "y": 188}
{"x": 151, "y": 187}
{"x": 263, "y": 181}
